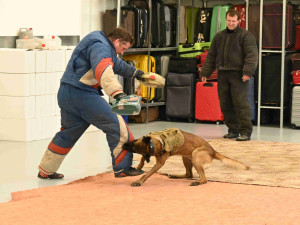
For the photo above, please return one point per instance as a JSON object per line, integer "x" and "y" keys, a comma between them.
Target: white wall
{"x": 60, "y": 17}
{"x": 53, "y": 17}
{"x": 93, "y": 11}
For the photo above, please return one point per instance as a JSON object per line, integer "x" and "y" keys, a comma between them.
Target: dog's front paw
{"x": 136, "y": 184}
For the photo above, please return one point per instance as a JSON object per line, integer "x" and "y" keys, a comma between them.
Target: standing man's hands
{"x": 203, "y": 79}
{"x": 245, "y": 78}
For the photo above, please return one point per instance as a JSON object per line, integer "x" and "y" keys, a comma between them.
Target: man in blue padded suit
{"x": 93, "y": 65}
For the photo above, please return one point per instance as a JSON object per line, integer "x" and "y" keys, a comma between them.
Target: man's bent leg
{"x": 117, "y": 133}
{"x": 72, "y": 129}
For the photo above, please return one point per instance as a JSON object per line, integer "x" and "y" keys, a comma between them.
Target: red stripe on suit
{"x": 60, "y": 150}
{"x": 104, "y": 63}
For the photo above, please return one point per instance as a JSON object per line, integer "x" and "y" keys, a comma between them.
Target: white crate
{"x": 51, "y": 83}
{"x": 40, "y": 61}
{"x": 29, "y": 129}
{"x": 17, "y": 129}
{"x": 55, "y": 61}
{"x": 69, "y": 53}
{"x": 40, "y": 83}
{"x": 17, "y": 107}
{"x": 17, "y": 84}
{"x": 17, "y": 61}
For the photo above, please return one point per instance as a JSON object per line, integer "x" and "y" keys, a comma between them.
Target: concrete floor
{"x": 91, "y": 155}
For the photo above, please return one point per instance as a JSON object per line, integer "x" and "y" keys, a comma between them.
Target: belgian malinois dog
{"x": 195, "y": 152}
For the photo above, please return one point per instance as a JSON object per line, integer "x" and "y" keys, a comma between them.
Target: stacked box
{"x": 295, "y": 117}
{"x": 29, "y": 81}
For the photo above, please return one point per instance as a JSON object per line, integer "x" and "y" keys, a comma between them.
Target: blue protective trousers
{"x": 79, "y": 109}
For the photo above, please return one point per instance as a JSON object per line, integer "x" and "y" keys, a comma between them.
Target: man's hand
{"x": 119, "y": 96}
{"x": 245, "y": 78}
{"x": 203, "y": 79}
{"x": 139, "y": 75}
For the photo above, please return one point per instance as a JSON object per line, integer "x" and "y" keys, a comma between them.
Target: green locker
{"x": 191, "y": 24}
{"x": 218, "y": 20}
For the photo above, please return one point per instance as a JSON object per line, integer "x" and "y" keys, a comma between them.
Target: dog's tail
{"x": 230, "y": 162}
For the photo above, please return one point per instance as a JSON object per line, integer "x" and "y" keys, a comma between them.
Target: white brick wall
{"x": 29, "y": 81}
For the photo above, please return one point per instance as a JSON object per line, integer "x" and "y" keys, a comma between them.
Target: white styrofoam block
{"x": 40, "y": 83}
{"x": 58, "y": 78}
{"x": 45, "y": 106}
{"x": 39, "y": 109}
{"x": 69, "y": 53}
{"x": 17, "y": 129}
{"x": 55, "y": 61}
{"x": 17, "y": 107}
{"x": 17, "y": 84}
{"x": 29, "y": 129}
{"x": 49, "y": 104}
{"x": 51, "y": 83}
{"x": 40, "y": 61}
{"x": 17, "y": 61}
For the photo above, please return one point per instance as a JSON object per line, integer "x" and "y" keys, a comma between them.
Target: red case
{"x": 296, "y": 77}
{"x": 295, "y": 61}
{"x": 207, "y": 104}
{"x": 297, "y": 43}
{"x": 242, "y": 10}
{"x": 214, "y": 75}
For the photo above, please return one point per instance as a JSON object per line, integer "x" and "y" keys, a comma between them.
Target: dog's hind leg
{"x": 188, "y": 167}
{"x": 200, "y": 158}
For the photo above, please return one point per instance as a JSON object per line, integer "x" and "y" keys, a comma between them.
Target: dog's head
{"x": 146, "y": 146}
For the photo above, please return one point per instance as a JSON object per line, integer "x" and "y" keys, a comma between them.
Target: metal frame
{"x": 283, "y": 52}
{"x": 149, "y": 48}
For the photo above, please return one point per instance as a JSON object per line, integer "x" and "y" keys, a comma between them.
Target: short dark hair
{"x": 122, "y": 34}
{"x": 232, "y": 13}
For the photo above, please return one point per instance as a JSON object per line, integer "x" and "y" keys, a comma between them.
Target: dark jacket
{"x": 235, "y": 50}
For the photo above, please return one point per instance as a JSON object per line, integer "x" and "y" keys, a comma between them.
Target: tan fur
{"x": 195, "y": 152}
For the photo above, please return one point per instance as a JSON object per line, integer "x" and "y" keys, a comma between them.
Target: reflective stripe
{"x": 101, "y": 67}
{"x": 59, "y": 150}
{"x": 120, "y": 157}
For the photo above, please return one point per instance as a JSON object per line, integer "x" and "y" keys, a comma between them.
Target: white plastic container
{"x": 26, "y": 33}
{"x": 26, "y": 43}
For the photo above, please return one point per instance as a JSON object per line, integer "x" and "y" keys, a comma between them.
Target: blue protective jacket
{"x": 95, "y": 51}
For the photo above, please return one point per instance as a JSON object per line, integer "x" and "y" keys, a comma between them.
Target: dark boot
{"x": 243, "y": 138}
{"x": 231, "y": 135}
{"x": 55, "y": 175}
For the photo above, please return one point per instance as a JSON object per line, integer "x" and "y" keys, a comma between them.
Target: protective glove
{"x": 151, "y": 79}
{"x": 139, "y": 75}
{"x": 119, "y": 96}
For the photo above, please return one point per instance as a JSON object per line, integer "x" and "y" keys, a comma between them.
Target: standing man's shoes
{"x": 231, "y": 135}
{"x": 243, "y": 138}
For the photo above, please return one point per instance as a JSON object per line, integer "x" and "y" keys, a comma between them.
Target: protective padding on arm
{"x": 110, "y": 83}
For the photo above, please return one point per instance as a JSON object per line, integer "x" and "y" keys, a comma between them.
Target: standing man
{"x": 92, "y": 67}
{"x": 234, "y": 53}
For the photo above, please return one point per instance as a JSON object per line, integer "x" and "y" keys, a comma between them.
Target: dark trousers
{"x": 233, "y": 95}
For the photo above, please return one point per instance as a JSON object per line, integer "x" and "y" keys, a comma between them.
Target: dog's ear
{"x": 146, "y": 139}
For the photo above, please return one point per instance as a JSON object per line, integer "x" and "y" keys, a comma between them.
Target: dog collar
{"x": 151, "y": 148}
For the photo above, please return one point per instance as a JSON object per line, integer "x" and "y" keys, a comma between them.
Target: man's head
{"x": 121, "y": 39}
{"x": 232, "y": 19}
